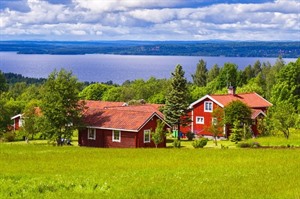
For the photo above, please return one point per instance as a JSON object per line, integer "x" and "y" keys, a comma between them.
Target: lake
{"x": 118, "y": 68}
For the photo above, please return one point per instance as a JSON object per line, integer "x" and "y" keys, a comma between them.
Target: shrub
{"x": 190, "y": 135}
{"x": 9, "y": 136}
{"x": 243, "y": 145}
{"x": 176, "y": 143}
{"x": 200, "y": 143}
{"x": 248, "y": 145}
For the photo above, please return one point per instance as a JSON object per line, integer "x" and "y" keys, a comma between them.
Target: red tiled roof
{"x": 253, "y": 100}
{"x": 112, "y": 115}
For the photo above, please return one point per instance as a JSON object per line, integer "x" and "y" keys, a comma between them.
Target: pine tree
{"x": 200, "y": 76}
{"x": 177, "y": 100}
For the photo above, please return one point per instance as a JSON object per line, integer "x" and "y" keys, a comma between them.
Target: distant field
{"x": 43, "y": 171}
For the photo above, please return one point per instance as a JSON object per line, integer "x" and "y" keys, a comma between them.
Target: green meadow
{"x": 37, "y": 170}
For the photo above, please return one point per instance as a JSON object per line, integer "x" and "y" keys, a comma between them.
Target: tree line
{"x": 58, "y": 95}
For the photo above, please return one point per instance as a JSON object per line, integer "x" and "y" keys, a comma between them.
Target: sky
{"x": 85, "y": 20}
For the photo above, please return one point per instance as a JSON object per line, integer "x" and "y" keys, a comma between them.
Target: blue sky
{"x": 150, "y": 20}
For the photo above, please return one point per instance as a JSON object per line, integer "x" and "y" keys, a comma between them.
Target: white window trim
{"x": 200, "y": 120}
{"x": 94, "y": 134}
{"x": 212, "y": 106}
{"x": 113, "y": 136}
{"x": 148, "y": 130}
{"x": 214, "y": 120}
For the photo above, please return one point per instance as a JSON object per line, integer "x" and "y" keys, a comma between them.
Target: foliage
{"x": 60, "y": 105}
{"x": 31, "y": 114}
{"x": 177, "y": 100}
{"x": 176, "y": 143}
{"x": 159, "y": 135}
{"x": 190, "y": 135}
{"x": 287, "y": 87}
{"x": 248, "y": 145}
{"x": 94, "y": 91}
{"x": 200, "y": 76}
{"x": 283, "y": 117}
{"x": 3, "y": 83}
{"x": 236, "y": 132}
{"x": 237, "y": 111}
{"x": 216, "y": 126}
{"x": 228, "y": 76}
{"x": 199, "y": 143}
{"x": 9, "y": 136}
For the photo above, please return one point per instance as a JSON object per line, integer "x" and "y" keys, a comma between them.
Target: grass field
{"x": 43, "y": 171}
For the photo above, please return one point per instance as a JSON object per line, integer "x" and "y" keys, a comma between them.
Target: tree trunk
{"x": 178, "y": 129}
{"x": 216, "y": 144}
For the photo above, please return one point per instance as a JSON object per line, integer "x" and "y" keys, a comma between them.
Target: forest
{"x": 278, "y": 83}
{"x": 286, "y": 49}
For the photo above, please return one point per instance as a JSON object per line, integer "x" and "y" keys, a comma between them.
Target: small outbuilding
{"x": 119, "y": 125}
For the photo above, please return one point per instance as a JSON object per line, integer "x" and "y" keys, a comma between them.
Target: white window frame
{"x": 113, "y": 136}
{"x": 91, "y": 134}
{"x": 198, "y": 120}
{"x": 214, "y": 120}
{"x": 209, "y": 105}
{"x": 147, "y": 131}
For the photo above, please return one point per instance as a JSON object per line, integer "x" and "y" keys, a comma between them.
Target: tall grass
{"x": 41, "y": 171}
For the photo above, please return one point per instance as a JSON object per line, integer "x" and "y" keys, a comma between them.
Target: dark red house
{"x": 118, "y": 125}
{"x": 201, "y": 110}
{"x": 18, "y": 122}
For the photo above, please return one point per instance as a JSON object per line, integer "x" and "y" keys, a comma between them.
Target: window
{"x": 199, "y": 120}
{"x": 214, "y": 121}
{"x": 116, "y": 136}
{"x": 208, "y": 107}
{"x": 92, "y": 134}
{"x": 147, "y": 136}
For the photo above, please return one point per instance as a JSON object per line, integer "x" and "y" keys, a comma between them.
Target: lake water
{"x": 118, "y": 68}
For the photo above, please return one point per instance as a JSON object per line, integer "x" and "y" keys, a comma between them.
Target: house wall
{"x": 198, "y": 111}
{"x": 17, "y": 123}
{"x": 151, "y": 125}
{"x": 128, "y": 139}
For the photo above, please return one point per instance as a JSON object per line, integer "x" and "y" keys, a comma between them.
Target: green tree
{"x": 216, "y": 127}
{"x": 228, "y": 76}
{"x": 200, "y": 76}
{"x": 5, "y": 120}
{"x": 256, "y": 68}
{"x": 236, "y": 131}
{"x": 31, "y": 114}
{"x": 287, "y": 87}
{"x": 177, "y": 100}
{"x": 283, "y": 117}
{"x": 94, "y": 91}
{"x": 213, "y": 73}
{"x": 237, "y": 112}
{"x": 60, "y": 105}
{"x": 3, "y": 83}
{"x": 158, "y": 135}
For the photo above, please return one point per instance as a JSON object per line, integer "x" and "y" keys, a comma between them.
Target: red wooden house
{"x": 115, "y": 124}
{"x": 201, "y": 111}
{"x": 18, "y": 122}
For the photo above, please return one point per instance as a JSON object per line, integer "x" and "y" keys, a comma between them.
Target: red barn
{"x": 117, "y": 125}
{"x": 201, "y": 110}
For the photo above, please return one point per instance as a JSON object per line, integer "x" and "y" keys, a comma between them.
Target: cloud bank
{"x": 149, "y": 20}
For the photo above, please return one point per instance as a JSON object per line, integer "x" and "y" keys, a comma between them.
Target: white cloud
{"x": 153, "y": 20}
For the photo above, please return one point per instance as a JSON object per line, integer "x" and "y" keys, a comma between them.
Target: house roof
{"x": 253, "y": 100}
{"x": 107, "y": 115}
{"x": 256, "y": 113}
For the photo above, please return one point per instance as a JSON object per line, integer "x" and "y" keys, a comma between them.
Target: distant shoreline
{"x": 286, "y": 49}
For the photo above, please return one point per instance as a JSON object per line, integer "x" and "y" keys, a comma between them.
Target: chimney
{"x": 231, "y": 90}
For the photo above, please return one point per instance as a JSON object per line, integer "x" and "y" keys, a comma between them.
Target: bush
{"x": 190, "y": 135}
{"x": 248, "y": 145}
{"x": 9, "y": 136}
{"x": 176, "y": 143}
{"x": 200, "y": 143}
